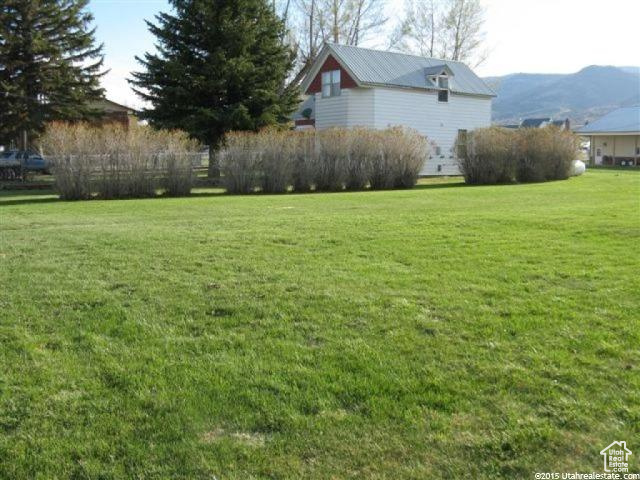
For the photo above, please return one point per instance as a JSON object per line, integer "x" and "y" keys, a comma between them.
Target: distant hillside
{"x": 580, "y": 96}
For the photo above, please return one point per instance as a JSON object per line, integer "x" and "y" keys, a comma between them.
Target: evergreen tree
{"x": 221, "y": 66}
{"x": 49, "y": 65}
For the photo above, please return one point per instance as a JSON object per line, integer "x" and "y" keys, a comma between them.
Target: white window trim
{"x": 331, "y": 83}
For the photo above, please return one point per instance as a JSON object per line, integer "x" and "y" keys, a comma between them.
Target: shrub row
{"x": 500, "y": 155}
{"x": 275, "y": 161}
{"x": 114, "y": 162}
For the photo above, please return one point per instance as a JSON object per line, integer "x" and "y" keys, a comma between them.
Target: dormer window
{"x": 443, "y": 88}
{"x": 331, "y": 83}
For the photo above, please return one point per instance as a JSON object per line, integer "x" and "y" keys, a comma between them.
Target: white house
{"x": 441, "y": 99}
{"x": 615, "y": 138}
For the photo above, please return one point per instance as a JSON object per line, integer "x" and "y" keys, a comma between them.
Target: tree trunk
{"x": 23, "y": 144}
{"x": 214, "y": 162}
{"x": 336, "y": 31}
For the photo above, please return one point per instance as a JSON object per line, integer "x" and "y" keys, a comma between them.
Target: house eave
{"x": 607, "y": 134}
{"x": 422, "y": 89}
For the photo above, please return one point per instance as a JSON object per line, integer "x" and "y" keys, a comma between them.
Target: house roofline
{"x": 404, "y": 54}
{"x": 604, "y": 133}
{"x": 328, "y": 49}
{"x": 319, "y": 61}
{"x": 105, "y": 99}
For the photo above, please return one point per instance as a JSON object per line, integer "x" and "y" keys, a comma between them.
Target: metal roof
{"x": 622, "y": 120}
{"x": 376, "y": 67}
{"x": 534, "y": 122}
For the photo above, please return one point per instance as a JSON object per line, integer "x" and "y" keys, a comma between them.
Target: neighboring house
{"x": 541, "y": 123}
{"x": 113, "y": 112}
{"x": 535, "y": 122}
{"x": 562, "y": 124}
{"x": 441, "y": 99}
{"x": 614, "y": 138}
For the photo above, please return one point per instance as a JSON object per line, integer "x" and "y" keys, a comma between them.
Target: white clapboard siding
{"x": 383, "y": 107}
{"x": 352, "y": 108}
{"x": 438, "y": 121}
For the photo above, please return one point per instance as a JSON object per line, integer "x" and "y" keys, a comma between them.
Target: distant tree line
{"x": 446, "y": 29}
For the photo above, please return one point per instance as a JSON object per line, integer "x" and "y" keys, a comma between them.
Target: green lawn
{"x": 433, "y": 333}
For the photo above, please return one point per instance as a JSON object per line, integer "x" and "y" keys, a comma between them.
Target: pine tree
{"x": 220, "y": 66}
{"x": 49, "y": 65}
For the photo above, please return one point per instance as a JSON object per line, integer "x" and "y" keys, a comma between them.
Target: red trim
{"x": 331, "y": 64}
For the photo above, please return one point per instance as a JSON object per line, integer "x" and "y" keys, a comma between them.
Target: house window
{"x": 443, "y": 85}
{"x": 331, "y": 83}
{"x": 461, "y": 144}
{"x": 438, "y": 151}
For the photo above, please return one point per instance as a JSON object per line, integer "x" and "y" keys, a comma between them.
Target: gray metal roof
{"x": 437, "y": 69}
{"x": 622, "y": 120}
{"x": 534, "y": 122}
{"x": 378, "y": 67}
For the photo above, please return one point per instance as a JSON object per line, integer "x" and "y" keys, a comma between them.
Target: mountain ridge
{"x": 581, "y": 96}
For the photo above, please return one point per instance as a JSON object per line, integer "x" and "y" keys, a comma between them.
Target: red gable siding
{"x": 331, "y": 64}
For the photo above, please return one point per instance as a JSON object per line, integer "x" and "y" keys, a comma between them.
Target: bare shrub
{"x": 331, "y": 159}
{"x": 545, "y": 154}
{"x": 532, "y": 154}
{"x": 304, "y": 151}
{"x": 180, "y": 154}
{"x": 489, "y": 156}
{"x": 240, "y": 162}
{"x": 114, "y": 162}
{"x": 381, "y": 173}
{"x": 277, "y": 160}
{"x": 125, "y": 159}
{"x": 406, "y": 151}
{"x": 397, "y": 159}
{"x": 364, "y": 148}
{"x": 68, "y": 148}
{"x": 499, "y": 155}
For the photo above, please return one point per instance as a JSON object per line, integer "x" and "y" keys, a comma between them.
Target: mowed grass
{"x": 441, "y": 332}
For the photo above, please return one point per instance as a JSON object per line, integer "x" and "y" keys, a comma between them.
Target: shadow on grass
{"x": 35, "y": 197}
{"x": 327, "y": 192}
{"x": 27, "y": 201}
{"x": 434, "y": 186}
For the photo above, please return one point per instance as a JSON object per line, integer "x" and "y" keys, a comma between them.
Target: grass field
{"x": 441, "y": 332}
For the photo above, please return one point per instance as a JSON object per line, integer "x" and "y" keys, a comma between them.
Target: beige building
{"x": 615, "y": 138}
{"x": 112, "y": 112}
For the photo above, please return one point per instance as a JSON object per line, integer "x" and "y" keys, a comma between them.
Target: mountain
{"x": 580, "y": 96}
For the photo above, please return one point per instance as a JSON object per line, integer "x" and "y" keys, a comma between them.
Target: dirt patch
{"x": 252, "y": 439}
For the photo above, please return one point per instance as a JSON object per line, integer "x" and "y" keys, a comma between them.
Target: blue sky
{"x": 541, "y": 36}
{"x": 121, "y": 27}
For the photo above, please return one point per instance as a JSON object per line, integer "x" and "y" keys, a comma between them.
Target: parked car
{"x": 15, "y": 164}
